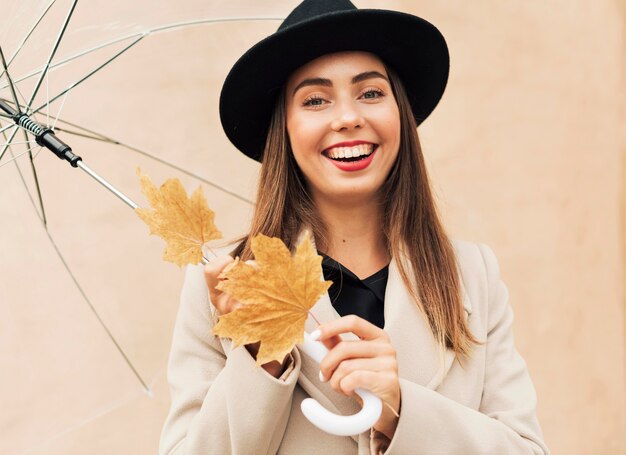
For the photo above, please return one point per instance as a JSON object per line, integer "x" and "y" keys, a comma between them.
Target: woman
{"x": 330, "y": 104}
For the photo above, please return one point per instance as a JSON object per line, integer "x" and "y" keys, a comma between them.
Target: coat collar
{"x": 420, "y": 360}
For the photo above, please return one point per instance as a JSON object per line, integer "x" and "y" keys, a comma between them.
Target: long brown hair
{"x": 413, "y": 231}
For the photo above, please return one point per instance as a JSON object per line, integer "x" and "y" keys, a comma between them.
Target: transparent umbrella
{"x": 87, "y": 302}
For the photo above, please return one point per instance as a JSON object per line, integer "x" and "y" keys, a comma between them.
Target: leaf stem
{"x": 204, "y": 259}
{"x": 313, "y": 316}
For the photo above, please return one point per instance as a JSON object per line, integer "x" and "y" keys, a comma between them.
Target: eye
{"x": 313, "y": 101}
{"x": 372, "y": 93}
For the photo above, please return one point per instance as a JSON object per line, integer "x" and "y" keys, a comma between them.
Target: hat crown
{"x": 310, "y": 9}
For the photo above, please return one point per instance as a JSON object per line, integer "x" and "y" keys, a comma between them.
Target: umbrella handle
{"x": 332, "y": 423}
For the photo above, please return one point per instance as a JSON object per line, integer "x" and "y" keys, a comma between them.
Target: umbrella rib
{"x": 30, "y": 32}
{"x": 22, "y": 143}
{"x": 93, "y": 309}
{"x": 58, "y": 113}
{"x": 11, "y": 85}
{"x": 79, "y": 287}
{"x": 15, "y": 157}
{"x": 54, "y": 51}
{"x": 87, "y": 76}
{"x": 75, "y": 56}
{"x": 100, "y": 137}
{"x": 162, "y": 28}
{"x": 44, "y": 220}
{"x": 8, "y": 127}
{"x": 8, "y": 141}
{"x": 143, "y": 34}
{"x": 19, "y": 172}
{"x": 88, "y": 134}
{"x": 30, "y": 196}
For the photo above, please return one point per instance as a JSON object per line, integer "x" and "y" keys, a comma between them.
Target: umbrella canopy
{"x": 87, "y": 302}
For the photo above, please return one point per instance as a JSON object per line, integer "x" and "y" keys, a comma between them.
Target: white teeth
{"x": 351, "y": 152}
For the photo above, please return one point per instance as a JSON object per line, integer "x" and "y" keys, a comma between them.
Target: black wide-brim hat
{"x": 413, "y": 47}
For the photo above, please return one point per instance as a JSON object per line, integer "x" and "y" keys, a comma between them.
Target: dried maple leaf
{"x": 184, "y": 223}
{"x": 277, "y": 293}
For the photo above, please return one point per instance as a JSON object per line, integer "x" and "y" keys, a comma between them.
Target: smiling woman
{"x": 423, "y": 322}
{"x": 344, "y": 126}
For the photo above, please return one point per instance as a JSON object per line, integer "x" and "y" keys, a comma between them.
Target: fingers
{"x": 331, "y": 342}
{"x": 339, "y": 378}
{"x": 338, "y": 358}
{"x": 369, "y": 363}
{"x": 377, "y": 375}
{"x": 212, "y": 274}
{"x": 212, "y": 271}
{"x": 222, "y": 302}
{"x": 351, "y": 323}
{"x": 376, "y": 382}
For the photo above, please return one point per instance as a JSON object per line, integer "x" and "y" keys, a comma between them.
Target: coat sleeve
{"x": 506, "y": 421}
{"x": 220, "y": 403}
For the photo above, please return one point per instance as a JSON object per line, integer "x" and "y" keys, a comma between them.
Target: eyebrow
{"x": 328, "y": 83}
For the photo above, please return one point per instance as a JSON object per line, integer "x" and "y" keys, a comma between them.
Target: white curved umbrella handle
{"x": 332, "y": 423}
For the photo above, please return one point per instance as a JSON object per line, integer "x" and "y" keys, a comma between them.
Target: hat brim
{"x": 413, "y": 47}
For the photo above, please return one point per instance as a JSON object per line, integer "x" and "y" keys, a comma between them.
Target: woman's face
{"x": 344, "y": 125}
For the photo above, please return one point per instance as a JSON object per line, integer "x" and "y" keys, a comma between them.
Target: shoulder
{"x": 475, "y": 256}
{"x": 479, "y": 269}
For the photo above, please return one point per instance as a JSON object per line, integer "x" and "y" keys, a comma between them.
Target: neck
{"x": 355, "y": 235}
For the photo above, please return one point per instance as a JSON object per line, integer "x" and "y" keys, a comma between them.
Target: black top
{"x": 351, "y": 295}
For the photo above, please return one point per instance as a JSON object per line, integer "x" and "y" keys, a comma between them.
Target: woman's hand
{"x": 224, "y": 304}
{"x": 369, "y": 363}
{"x": 221, "y": 301}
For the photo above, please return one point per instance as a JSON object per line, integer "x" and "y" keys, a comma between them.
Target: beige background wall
{"x": 527, "y": 152}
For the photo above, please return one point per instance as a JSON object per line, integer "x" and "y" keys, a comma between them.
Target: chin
{"x": 352, "y": 194}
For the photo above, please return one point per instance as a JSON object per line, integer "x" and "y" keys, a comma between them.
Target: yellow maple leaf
{"x": 184, "y": 223}
{"x": 276, "y": 293}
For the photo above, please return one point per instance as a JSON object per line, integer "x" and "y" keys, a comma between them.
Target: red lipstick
{"x": 351, "y": 166}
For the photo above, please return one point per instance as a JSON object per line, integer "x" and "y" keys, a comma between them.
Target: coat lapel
{"x": 420, "y": 360}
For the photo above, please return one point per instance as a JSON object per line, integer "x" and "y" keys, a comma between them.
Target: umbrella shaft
{"x": 122, "y": 196}
{"x": 107, "y": 185}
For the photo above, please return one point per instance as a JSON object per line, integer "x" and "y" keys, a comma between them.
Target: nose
{"x": 347, "y": 116}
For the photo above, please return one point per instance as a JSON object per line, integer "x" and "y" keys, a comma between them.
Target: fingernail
{"x": 322, "y": 378}
{"x": 316, "y": 334}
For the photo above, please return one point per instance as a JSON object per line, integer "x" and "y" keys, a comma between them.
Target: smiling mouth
{"x": 354, "y": 153}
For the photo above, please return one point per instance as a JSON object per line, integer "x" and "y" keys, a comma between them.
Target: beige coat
{"x": 222, "y": 403}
